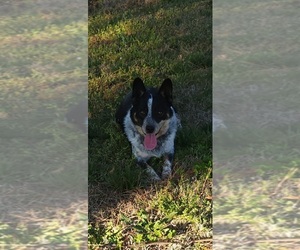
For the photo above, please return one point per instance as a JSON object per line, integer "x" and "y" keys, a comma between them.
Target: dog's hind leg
{"x": 167, "y": 167}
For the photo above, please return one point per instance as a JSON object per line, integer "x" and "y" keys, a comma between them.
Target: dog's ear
{"x": 138, "y": 88}
{"x": 166, "y": 90}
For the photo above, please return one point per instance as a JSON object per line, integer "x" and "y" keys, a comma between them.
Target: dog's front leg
{"x": 149, "y": 170}
{"x": 167, "y": 167}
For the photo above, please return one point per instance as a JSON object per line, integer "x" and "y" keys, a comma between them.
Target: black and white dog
{"x": 150, "y": 123}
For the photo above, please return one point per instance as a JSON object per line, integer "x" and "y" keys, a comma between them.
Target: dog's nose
{"x": 149, "y": 129}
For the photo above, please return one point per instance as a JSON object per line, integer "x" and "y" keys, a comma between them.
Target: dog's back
{"x": 123, "y": 110}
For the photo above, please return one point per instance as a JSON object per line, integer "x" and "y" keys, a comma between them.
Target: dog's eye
{"x": 160, "y": 113}
{"x": 142, "y": 113}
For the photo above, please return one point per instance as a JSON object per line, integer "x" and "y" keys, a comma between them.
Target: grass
{"x": 152, "y": 40}
{"x": 256, "y": 159}
{"x": 43, "y": 62}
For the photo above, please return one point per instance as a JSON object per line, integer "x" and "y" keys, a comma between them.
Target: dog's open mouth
{"x": 150, "y": 141}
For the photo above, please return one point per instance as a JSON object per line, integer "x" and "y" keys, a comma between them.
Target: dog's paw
{"x": 167, "y": 170}
{"x": 152, "y": 174}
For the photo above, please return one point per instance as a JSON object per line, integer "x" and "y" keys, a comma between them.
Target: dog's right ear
{"x": 138, "y": 88}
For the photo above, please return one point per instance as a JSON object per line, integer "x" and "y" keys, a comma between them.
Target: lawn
{"x": 153, "y": 40}
{"x": 43, "y": 175}
{"x": 256, "y": 92}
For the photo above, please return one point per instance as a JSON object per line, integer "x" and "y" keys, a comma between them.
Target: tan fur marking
{"x": 164, "y": 127}
{"x": 134, "y": 117}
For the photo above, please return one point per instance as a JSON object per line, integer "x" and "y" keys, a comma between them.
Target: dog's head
{"x": 151, "y": 111}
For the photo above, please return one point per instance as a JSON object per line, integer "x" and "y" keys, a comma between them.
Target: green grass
{"x": 152, "y": 40}
{"x": 43, "y": 72}
{"x": 256, "y": 159}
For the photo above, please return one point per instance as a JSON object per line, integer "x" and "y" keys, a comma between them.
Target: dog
{"x": 150, "y": 122}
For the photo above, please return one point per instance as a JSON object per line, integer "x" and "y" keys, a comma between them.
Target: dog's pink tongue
{"x": 150, "y": 141}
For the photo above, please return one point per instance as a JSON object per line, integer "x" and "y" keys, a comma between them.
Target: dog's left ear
{"x": 166, "y": 90}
